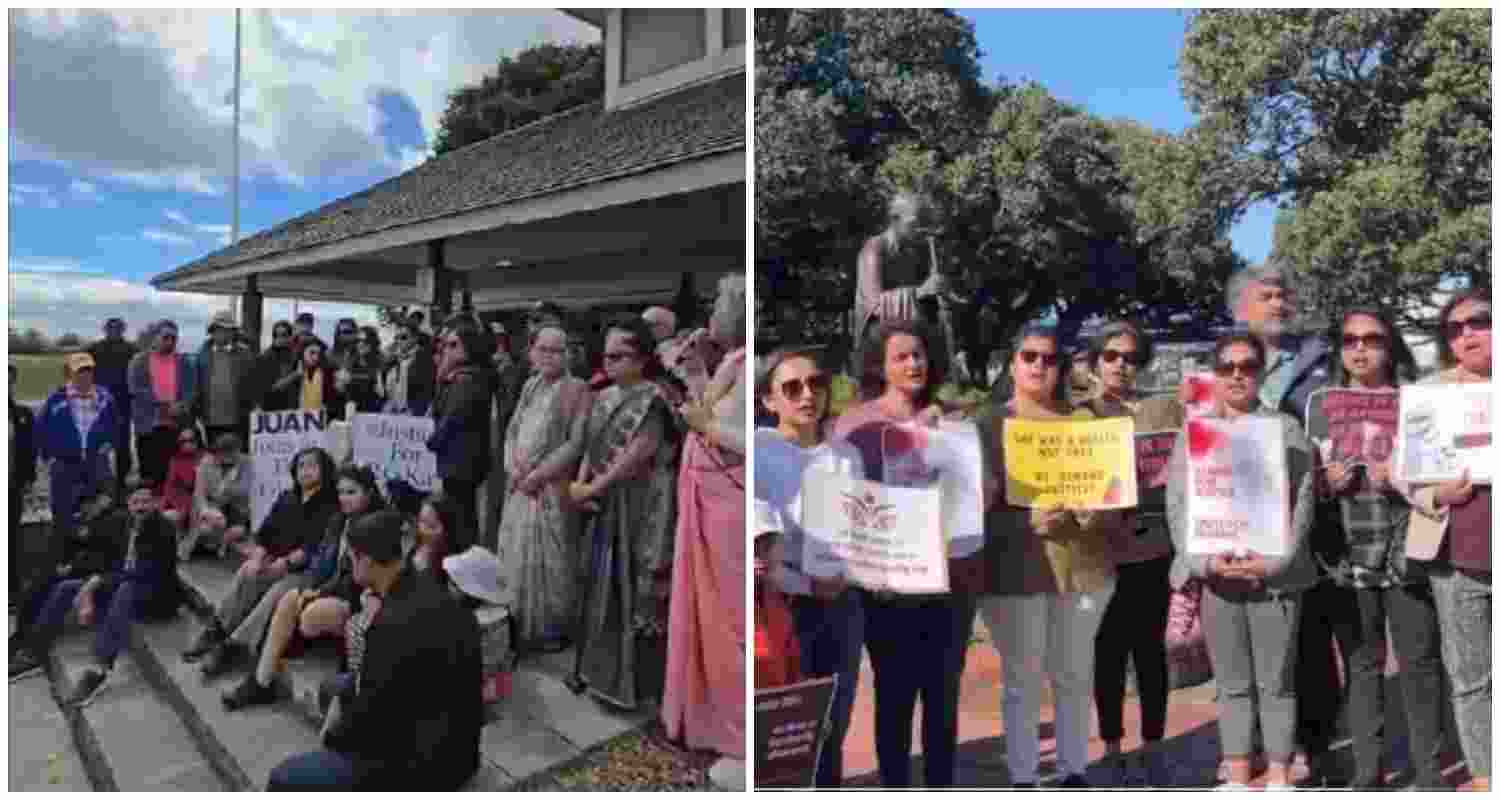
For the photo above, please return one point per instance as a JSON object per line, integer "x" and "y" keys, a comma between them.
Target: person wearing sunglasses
{"x": 1134, "y": 627}
{"x": 1374, "y": 586}
{"x": 313, "y": 386}
{"x": 1049, "y": 576}
{"x": 163, "y": 388}
{"x": 182, "y": 476}
{"x": 409, "y": 379}
{"x": 829, "y": 614}
{"x": 1451, "y": 530}
{"x": 903, "y": 365}
{"x": 274, "y": 363}
{"x": 461, "y": 413}
{"x": 1251, "y": 602}
{"x": 626, "y": 488}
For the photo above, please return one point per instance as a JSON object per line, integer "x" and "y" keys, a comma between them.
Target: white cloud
{"x": 177, "y": 217}
{"x": 215, "y": 230}
{"x": 148, "y": 90}
{"x": 44, "y": 265}
{"x": 164, "y": 237}
{"x": 23, "y": 194}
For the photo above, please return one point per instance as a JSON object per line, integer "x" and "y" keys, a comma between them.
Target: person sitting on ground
{"x": 182, "y": 476}
{"x": 326, "y": 597}
{"x": 413, "y": 720}
{"x": 221, "y": 497}
{"x": 70, "y": 554}
{"x": 134, "y": 558}
{"x": 280, "y": 548}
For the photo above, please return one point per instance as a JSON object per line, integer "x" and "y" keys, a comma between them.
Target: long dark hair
{"x": 1400, "y": 364}
{"x": 1446, "y": 357}
{"x": 872, "y": 367}
{"x": 456, "y": 536}
{"x": 365, "y": 478}
{"x": 477, "y": 344}
{"x": 327, "y": 470}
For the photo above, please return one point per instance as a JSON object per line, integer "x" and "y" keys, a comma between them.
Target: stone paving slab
{"x": 42, "y": 757}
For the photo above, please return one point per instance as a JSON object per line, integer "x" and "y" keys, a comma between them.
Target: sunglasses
{"x": 1049, "y": 360}
{"x": 1371, "y": 341}
{"x": 1248, "y": 369}
{"x": 1132, "y": 357}
{"x": 1479, "y": 323}
{"x": 616, "y": 357}
{"x": 814, "y": 384}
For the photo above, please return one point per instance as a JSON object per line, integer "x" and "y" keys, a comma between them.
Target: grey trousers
{"x": 253, "y": 626}
{"x": 244, "y": 593}
{"x": 1465, "y": 608}
{"x": 1252, "y": 645}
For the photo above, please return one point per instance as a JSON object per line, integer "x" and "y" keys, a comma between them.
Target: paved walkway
{"x": 1192, "y": 733}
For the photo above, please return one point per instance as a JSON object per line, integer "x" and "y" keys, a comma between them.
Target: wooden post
{"x": 437, "y": 282}
{"x": 252, "y": 311}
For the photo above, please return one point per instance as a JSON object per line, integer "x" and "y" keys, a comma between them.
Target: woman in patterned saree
{"x": 626, "y": 490}
{"x": 538, "y": 531}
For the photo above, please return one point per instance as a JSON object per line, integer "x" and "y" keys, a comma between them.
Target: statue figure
{"x": 898, "y": 276}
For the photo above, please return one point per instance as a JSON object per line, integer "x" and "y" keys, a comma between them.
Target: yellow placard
{"x": 1085, "y": 464}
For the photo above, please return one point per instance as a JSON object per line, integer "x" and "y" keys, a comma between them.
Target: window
{"x": 657, "y": 39}
{"x": 734, "y": 27}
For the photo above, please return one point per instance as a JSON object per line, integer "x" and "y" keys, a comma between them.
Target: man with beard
{"x": 224, "y": 369}
{"x": 112, "y": 356}
{"x": 278, "y": 361}
{"x": 407, "y": 382}
{"x": 133, "y": 560}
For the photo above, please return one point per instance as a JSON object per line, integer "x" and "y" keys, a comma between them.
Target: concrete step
{"x": 131, "y": 732}
{"x": 43, "y": 757}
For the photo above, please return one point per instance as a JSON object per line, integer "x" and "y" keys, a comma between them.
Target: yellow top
{"x": 312, "y": 391}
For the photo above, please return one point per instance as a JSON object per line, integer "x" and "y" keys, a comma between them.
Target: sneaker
{"x": 250, "y": 693}
{"x": 1074, "y": 782}
{"x": 24, "y": 664}
{"x": 211, "y": 637}
{"x": 728, "y": 774}
{"x": 221, "y": 659}
{"x": 90, "y": 684}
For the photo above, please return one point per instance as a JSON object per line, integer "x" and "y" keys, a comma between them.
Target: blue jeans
{"x": 68, "y": 479}
{"x": 831, "y": 635}
{"x": 319, "y": 770}
{"x": 116, "y": 609}
{"x": 1465, "y": 610}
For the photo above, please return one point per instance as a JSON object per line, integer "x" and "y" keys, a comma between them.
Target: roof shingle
{"x": 577, "y": 147}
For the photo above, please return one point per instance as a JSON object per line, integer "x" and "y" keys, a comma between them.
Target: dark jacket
{"x": 293, "y": 524}
{"x": 334, "y": 575}
{"x": 333, "y": 399}
{"x": 363, "y": 373}
{"x": 1309, "y": 374}
{"x": 461, "y": 411}
{"x": 243, "y": 370}
{"x": 270, "y": 366}
{"x": 420, "y": 383}
{"x": 23, "y": 465}
{"x": 415, "y": 723}
{"x": 58, "y": 437}
{"x": 145, "y": 410}
{"x": 112, "y": 368}
{"x": 103, "y": 551}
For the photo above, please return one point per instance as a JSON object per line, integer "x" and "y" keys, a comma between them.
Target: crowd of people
{"x": 614, "y": 526}
{"x": 1071, "y": 597}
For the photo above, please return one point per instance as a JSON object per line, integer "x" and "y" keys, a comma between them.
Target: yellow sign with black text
{"x": 1081, "y": 465}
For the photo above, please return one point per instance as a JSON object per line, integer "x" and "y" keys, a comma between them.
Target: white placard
{"x": 1237, "y": 495}
{"x": 1444, "y": 429}
{"x": 947, "y": 458}
{"x": 275, "y": 438}
{"x": 395, "y": 447}
{"x": 877, "y": 536}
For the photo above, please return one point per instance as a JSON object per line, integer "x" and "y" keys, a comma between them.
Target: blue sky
{"x": 1115, "y": 63}
{"x": 129, "y": 177}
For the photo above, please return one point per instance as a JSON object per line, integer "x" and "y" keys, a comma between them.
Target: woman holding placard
{"x": 1050, "y": 574}
{"x": 916, "y": 642}
{"x": 1375, "y": 584}
{"x": 1134, "y": 628}
{"x": 829, "y": 615}
{"x": 1251, "y": 601}
{"x": 1452, "y": 527}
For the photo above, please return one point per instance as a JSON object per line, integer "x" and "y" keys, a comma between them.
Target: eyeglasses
{"x": 1479, "y": 323}
{"x": 1132, "y": 357}
{"x": 616, "y": 357}
{"x": 814, "y": 384}
{"x": 1049, "y": 360}
{"x": 1371, "y": 341}
{"x": 1248, "y": 369}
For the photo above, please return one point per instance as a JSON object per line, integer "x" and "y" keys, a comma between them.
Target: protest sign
{"x": 790, "y": 725}
{"x": 1353, "y": 426}
{"x": 1237, "y": 486}
{"x": 275, "y": 438}
{"x": 1444, "y": 429}
{"x": 1080, "y": 464}
{"x": 878, "y": 536}
{"x": 949, "y": 458}
{"x": 1200, "y": 393}
{"x": 1153, "y": 453}
{"x": 395, "y": 447}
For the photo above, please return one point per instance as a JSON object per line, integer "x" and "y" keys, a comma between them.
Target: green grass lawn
{"x": 37, "y": 376}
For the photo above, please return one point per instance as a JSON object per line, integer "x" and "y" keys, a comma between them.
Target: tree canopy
{"x": 534, "y": 83}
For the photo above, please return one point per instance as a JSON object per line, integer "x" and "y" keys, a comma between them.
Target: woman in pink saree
{"x": 704, "y": 703}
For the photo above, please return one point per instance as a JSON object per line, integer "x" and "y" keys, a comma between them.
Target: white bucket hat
{"x": 476, "y": 573}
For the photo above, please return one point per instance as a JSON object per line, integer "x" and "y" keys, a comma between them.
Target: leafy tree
{"x": 534, "y": 83}
{"x": 28, "y": 342}
{"x": 1372, "y": 128}
{"x": 68, "y": 341}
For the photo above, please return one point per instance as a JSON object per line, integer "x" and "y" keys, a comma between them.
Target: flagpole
{"x": 234, "y": 225}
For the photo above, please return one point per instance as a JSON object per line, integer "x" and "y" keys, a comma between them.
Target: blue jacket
{"x": 144, "y": 408}
{"x": 57, "y": 433}
{"x": 1309, "y": 374}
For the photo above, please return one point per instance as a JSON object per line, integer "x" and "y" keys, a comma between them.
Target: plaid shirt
{"x": 1374, "y": 524}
